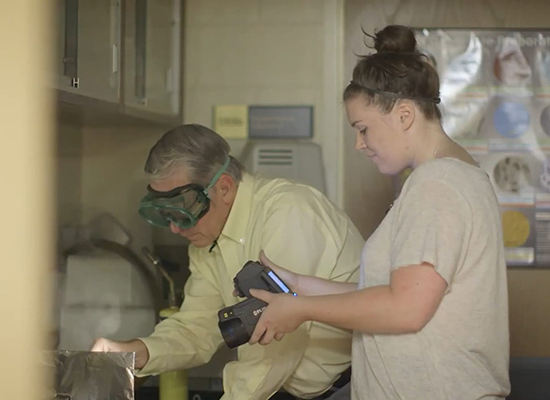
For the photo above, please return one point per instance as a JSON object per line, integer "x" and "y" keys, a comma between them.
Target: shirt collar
{"x": 237, "y": 221}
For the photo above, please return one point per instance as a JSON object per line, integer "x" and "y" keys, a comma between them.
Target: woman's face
{"x": 380, "y": 136}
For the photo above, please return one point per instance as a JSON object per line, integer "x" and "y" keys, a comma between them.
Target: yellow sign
{"x": 231, "y": 122}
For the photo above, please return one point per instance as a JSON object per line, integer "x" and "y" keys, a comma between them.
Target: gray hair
{"x": 199, "y": 149}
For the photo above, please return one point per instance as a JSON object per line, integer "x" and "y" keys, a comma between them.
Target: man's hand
{"x": 133, "y": 346}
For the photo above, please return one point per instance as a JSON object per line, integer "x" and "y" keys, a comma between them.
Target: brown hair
{"x": 396, "y": 71}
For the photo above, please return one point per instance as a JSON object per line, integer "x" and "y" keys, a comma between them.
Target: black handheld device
{"x": 237, "y": 322}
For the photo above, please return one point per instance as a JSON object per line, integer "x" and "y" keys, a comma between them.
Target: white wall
{"x": 282, "y": 52}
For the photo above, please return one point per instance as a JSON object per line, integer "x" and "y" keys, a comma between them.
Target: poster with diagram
{"x": 495, "y": 100}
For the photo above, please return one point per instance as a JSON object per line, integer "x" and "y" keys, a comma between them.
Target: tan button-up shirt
{"x": 299, "y": 229}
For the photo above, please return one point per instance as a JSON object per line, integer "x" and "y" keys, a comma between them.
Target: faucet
{"x": 158, "y": 264}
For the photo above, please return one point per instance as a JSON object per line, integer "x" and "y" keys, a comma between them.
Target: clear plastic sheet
{"x": 81, "y": 375}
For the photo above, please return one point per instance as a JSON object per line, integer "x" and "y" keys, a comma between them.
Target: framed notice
{"x": 280, "y": 122}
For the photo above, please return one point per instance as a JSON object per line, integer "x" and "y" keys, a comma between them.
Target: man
{"x": 201, "y": 193}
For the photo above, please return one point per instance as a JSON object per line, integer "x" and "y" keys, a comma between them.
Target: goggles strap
{"x": 217, "y": 176}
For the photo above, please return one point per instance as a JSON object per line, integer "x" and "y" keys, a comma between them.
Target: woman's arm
{"x": 307, "y": 285}
{"x": 406, "y": 305}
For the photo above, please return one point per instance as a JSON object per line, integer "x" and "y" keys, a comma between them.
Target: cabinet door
{"x": 89, "y": 43}
{"x": 152, "y": 56}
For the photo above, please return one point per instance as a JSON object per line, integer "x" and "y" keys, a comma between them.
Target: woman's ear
{"x": 406, "y": 112}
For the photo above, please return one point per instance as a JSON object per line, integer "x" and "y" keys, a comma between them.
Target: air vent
{"x": 275, "y": 157}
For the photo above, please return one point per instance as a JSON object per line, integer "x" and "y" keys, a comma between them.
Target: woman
{"x": 430, "y": 315}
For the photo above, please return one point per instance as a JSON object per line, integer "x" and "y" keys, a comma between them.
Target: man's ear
{"x": 226, "y": 188}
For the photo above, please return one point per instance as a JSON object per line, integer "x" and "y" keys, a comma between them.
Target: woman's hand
{"x": 284, "y": 314}
{"x": 291, "y": 279}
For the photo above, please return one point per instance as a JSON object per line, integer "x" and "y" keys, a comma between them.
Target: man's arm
{"x": 262, "y": 370}
{"x": 188, "y": 338}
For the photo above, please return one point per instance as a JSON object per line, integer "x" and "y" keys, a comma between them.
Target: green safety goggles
{"x": 183, "y": 206}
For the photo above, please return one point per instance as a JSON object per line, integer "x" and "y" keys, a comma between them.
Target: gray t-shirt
{"x": 446, "y": 215}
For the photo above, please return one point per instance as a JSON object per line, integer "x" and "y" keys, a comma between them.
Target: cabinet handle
{"x": 141, "y": 49}
{"x": 70, "y": 59}
{"x": 115, "y": 58}
{"x": 115, "y": 34}
{"x": 169, "y": 83}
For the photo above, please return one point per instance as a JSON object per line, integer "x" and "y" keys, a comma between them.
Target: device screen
{"x": 279, "y": 282}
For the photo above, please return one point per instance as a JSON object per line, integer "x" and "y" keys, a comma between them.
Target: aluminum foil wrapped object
{"x": 82, "y": 375}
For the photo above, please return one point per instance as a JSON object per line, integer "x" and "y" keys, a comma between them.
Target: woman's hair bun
{"x": 395, "y": 39}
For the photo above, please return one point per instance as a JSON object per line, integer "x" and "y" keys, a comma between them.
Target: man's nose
{"x": 179, "y": 231}
{"x": 175, "y": 229}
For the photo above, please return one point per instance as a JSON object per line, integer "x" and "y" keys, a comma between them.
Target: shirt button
{"x": 241, "y": 240}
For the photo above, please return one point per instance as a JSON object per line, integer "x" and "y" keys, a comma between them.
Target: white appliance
{"x": 294, "y": 160}
{"x": 103, "y": 296}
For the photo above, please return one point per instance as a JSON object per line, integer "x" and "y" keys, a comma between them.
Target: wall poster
{"x": 495, "y": 92}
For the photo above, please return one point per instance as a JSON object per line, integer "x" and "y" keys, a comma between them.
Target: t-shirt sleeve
{"x": 432, "y": 224}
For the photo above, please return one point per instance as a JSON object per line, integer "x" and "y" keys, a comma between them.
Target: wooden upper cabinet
{"x": 123, "y": 53}
{"x": 88, "y": 41}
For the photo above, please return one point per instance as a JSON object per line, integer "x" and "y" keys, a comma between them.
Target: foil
{"x": 82, "y": 375}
